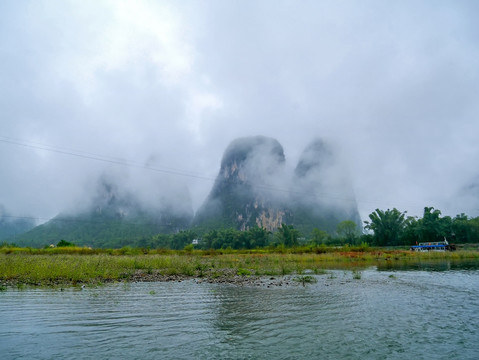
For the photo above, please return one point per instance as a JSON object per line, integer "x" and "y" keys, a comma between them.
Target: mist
{"x": 152, "y": 93}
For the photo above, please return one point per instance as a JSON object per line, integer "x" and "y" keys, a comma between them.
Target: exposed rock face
{"x": 243, "y": 195}
{"x": 254, "y": 188}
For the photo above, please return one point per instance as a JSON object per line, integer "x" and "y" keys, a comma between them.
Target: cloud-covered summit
{"x": 255, "y": 188}
{"x": 393, "y": 84}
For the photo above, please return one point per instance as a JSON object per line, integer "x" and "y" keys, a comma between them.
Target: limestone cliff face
{"x": 242, "y": 196}
{"x": 253, "y": 188}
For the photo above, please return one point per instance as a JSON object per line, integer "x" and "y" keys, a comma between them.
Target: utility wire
{"x": 171, "y": 171}
{"x": 97, "y": 157}
{"x": 112, "y": 160}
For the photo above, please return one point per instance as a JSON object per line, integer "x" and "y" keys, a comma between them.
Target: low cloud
{"x": 171, "y": 84}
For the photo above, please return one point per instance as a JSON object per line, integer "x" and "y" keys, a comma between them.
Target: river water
{"x": 386, "y": 314}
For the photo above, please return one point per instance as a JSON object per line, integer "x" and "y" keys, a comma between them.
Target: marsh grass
{"x": 332, "y": 276}
{"x": 357, "y": 275}
{"x": 305, "y": 279}
{"x": 83, "y": 265}
{"x": 243, "y": 272}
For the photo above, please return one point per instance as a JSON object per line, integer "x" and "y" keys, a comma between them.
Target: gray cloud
{"x": 170, "y": 84}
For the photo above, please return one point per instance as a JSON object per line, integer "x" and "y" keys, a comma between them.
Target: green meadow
{"x": 73, "y": 265}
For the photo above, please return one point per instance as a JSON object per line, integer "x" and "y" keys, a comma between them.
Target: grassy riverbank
{"x": 82, "y": 265}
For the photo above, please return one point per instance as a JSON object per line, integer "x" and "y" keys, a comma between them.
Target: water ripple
{"x": 411, "y": 314}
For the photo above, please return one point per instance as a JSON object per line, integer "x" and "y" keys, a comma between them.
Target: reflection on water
{"x": 429, "y": 265}
{"x": 387, "y": 314}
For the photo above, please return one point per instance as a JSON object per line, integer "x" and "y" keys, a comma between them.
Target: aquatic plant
{"x": 305, "y": 279}
{"x": 357, "y": 275}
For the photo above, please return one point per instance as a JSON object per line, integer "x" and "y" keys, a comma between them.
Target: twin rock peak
{"x": 255, "y": 187}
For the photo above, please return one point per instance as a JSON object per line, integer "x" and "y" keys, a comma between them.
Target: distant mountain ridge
{"x": 11, "y": 226}
{"x": 254, "y": 187}
{"x": 113, "y": 219}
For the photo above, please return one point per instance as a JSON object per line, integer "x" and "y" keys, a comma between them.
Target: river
{"x": 406, "y": 313}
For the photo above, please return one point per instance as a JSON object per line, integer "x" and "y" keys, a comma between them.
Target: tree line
{"x": 393, "y": 227}
{"x": 384, "y": 228}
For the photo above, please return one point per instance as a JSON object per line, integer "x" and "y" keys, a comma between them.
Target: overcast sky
{"x": 169, "y": 85}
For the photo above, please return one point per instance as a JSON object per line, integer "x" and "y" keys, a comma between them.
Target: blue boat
{"x": 434, "y": 246}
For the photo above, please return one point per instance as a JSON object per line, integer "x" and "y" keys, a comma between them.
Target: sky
{"x": 154, "y": 91}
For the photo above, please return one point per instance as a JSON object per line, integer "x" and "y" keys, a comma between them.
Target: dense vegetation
{"x": 99, "y": 230}
{"x": 384, "y": 228}
{"x": 392, "y": 228}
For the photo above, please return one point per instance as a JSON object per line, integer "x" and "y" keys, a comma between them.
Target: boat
{"x": 434, "y": 246}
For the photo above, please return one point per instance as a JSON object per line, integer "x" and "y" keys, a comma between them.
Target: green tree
{"x": 432, "y": 227}
{"x": 319, "y": 236}
{"x": 287, "y": 235}
{"x": 257, "y": 237}
{"x": 461, "y": 229}
{"x": 410, "y": 234}
{"x": 182, "y": 239}
{"x": 388, "y": 226}
{"x": 210, "y": 238}
{"x": 161, "y": 241}
{"x": 348, "y": 231}
{"x": 228, "y": 238}
{"x": 64, "y": 243}
{"x": 474, "y": 230}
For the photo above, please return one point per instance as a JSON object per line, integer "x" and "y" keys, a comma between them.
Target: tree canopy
{"x": 392, "y": 227}
{"x": 387, "y": 226}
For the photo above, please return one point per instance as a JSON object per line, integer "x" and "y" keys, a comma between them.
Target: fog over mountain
{"x": 255, "y": 187}
{"x": 152, "y": 92}
{"x": 114, "y": 216}
{"x": 323, "y": 194}
{"x": 11, "y": 225}
{"x": 245, "y": 193}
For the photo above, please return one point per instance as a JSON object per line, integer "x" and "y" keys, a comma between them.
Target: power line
{"x": 98, "y": 157}
{"x": 170, "y": 171}
{"x": 117, "y": 161}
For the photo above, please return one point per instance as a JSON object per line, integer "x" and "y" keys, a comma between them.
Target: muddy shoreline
{"x": 226, "y": 276}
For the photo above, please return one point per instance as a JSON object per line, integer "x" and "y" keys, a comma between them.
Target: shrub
{"x": 243, "y": 272}
{"x": 64, "y": 243}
